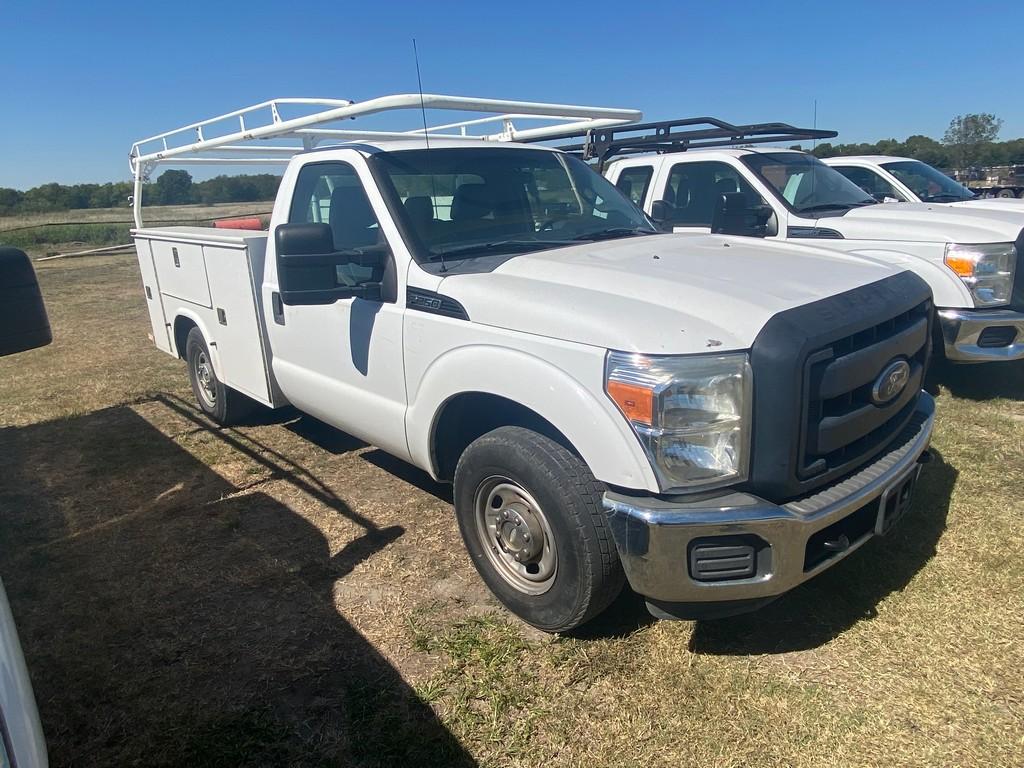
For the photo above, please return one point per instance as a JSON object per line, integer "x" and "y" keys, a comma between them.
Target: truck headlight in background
{"x": 986, "y": 269}
{"x": 691, "y": 413}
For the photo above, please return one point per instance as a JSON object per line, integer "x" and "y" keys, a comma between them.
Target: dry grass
{"x": 281, "y": 594}
{"x": 67, "y": 230}
{"x": 152, "y": 213}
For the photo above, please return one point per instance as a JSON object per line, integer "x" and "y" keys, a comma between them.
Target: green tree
{"x": 174, "y": 187}
{"x": 966, "y": 134}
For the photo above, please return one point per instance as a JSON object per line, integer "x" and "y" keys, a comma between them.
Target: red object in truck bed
{"x": 250, "y": 222}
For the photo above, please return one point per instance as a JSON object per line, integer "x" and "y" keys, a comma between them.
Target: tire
{"x": 221, "y": 403}
{"x": 1020, "y": 195}
{"x": 1006, "y": 193}
{"x": 519, "y": 492}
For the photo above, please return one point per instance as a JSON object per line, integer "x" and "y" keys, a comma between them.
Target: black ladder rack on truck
{"x": 662, "y": 137}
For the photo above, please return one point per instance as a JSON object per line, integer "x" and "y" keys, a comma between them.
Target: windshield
{"x": 806, "y": 184}
{"x": 465, "y": 202}
{"x": 929, "y": 184}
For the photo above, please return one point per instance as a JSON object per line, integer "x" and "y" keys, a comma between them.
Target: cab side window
{"x": 633, "y": 183}
{"x": 331, "y": 193}
{"x": 870, "y": 182}
{"x": 694, "y": 190}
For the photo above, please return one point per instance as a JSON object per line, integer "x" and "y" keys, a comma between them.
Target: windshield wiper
{"x": 613, "y": 232}
{"x": 835, "y": 206}
{"x": 945, "y": 197}
{"x": 468, "y": 249}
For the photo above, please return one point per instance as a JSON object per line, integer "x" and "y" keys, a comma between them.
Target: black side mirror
{"x": 310, "y": 270}
{"x": 661, "y": 214}
{"x": 23, "y": 321}
{"x": 734, "y": 215}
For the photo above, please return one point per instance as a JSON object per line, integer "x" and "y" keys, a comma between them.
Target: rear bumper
{"x": 657, "y": 538}
{"x": 962, "y": 333}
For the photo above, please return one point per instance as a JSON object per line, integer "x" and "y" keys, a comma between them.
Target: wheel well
{"x": 182, "y": 326}
{"x": 470, "y": 415}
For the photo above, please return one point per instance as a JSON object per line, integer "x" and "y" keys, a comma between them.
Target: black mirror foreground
{"x": 734, "y": 215}
{"x": 661, "y": 214}
{"x": 23, "y": 321}
{"x": 310, "y": 270}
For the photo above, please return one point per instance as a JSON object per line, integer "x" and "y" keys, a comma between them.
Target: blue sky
{"x": 82, "y": 80}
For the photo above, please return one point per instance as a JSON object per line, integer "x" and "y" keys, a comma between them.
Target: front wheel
{"x": 218, "y": 401}
{"x": 530, "y": 515}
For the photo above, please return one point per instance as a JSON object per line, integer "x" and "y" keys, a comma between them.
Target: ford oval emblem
{"x": 890, "y": 382}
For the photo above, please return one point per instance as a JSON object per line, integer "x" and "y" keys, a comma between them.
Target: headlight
{"x": 986, "y": 269}
{"x": 691, "y": 413}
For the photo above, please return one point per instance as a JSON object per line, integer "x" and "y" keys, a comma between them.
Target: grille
{"x": 844, "y": 425}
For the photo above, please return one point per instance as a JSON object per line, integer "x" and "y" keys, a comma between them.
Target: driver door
{"x": 693, "y": 189}
{"x": 342, "y": 362}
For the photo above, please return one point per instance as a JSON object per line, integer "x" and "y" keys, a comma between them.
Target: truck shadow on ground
{"x": 170, "y": 619}
{"x": 981, "y": 381}
{"x": 828, "y": 605}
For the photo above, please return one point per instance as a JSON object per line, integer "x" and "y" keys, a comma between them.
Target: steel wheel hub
{"x": 204, "y": 375}
{"x": 516, "y": 535}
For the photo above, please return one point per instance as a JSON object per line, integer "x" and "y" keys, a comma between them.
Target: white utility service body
{"x": 571, "y": 347}
{"x": 920, "y": 237}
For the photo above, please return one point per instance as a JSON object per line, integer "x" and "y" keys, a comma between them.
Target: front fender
{"x": 587, "y": 418}
{"x": 947, "y": 289}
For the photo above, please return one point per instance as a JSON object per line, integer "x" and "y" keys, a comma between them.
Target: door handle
{"x": 278, "y": 307}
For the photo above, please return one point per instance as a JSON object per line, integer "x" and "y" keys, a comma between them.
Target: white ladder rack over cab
{"x": 240, "y": 137}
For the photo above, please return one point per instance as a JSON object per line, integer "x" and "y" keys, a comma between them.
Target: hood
{"x": 926, "y": 222}
{"x": 1005, "y": 204}
{"x": 661, "y": 294}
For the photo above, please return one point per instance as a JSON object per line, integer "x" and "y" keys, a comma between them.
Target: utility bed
{"x": 201, "y": 273}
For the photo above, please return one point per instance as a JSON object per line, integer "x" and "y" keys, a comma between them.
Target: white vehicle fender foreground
{"x": 582, "y": 413}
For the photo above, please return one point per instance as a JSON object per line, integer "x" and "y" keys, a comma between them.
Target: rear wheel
{"x": 1006, "y": 193}
{"x": 530, "y": 515}
{"x": 218, "y": 401}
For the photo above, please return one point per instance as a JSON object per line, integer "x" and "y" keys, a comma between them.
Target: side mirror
{"x": 310, "y": 270}
{"x": 23, "y": 321}
{"x": 661, "y": 214}
{"x": 734, "y": 215}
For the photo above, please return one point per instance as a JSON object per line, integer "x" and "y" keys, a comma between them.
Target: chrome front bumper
{"x": 962, "y": 328}
{"x": 654, "y": 536}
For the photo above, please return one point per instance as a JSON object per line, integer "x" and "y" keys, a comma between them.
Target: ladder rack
{"x": 667, "y": 136}
{"x": 243, "y": 136}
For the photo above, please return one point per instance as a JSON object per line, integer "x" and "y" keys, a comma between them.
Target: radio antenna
{"x": 426, "y": 140}
{"x": 419, "y": 84}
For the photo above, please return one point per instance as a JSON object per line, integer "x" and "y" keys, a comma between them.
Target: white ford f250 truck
{"x": 715, "y": 419}
{"x": 971, "y": 257}
{"x": 905, "y": 180}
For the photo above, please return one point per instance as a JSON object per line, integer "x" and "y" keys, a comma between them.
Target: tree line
{"x": 969, "y": 141}
{"x": 172, "y": 187}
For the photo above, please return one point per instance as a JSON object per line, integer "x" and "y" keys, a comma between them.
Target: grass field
{"x": 282, "y": 594}
{"x": 62, "y": 231}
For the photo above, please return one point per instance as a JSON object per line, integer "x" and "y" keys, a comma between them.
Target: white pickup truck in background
{"x": 716, "y": 419}
{"x": 905, "y": 180}
{"x": 713, "y": 180}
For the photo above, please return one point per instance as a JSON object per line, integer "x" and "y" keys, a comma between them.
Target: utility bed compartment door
{"x": 151, "y": 286}
{"x": 181, "y": 269}
{"x": 236, "y": 328}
